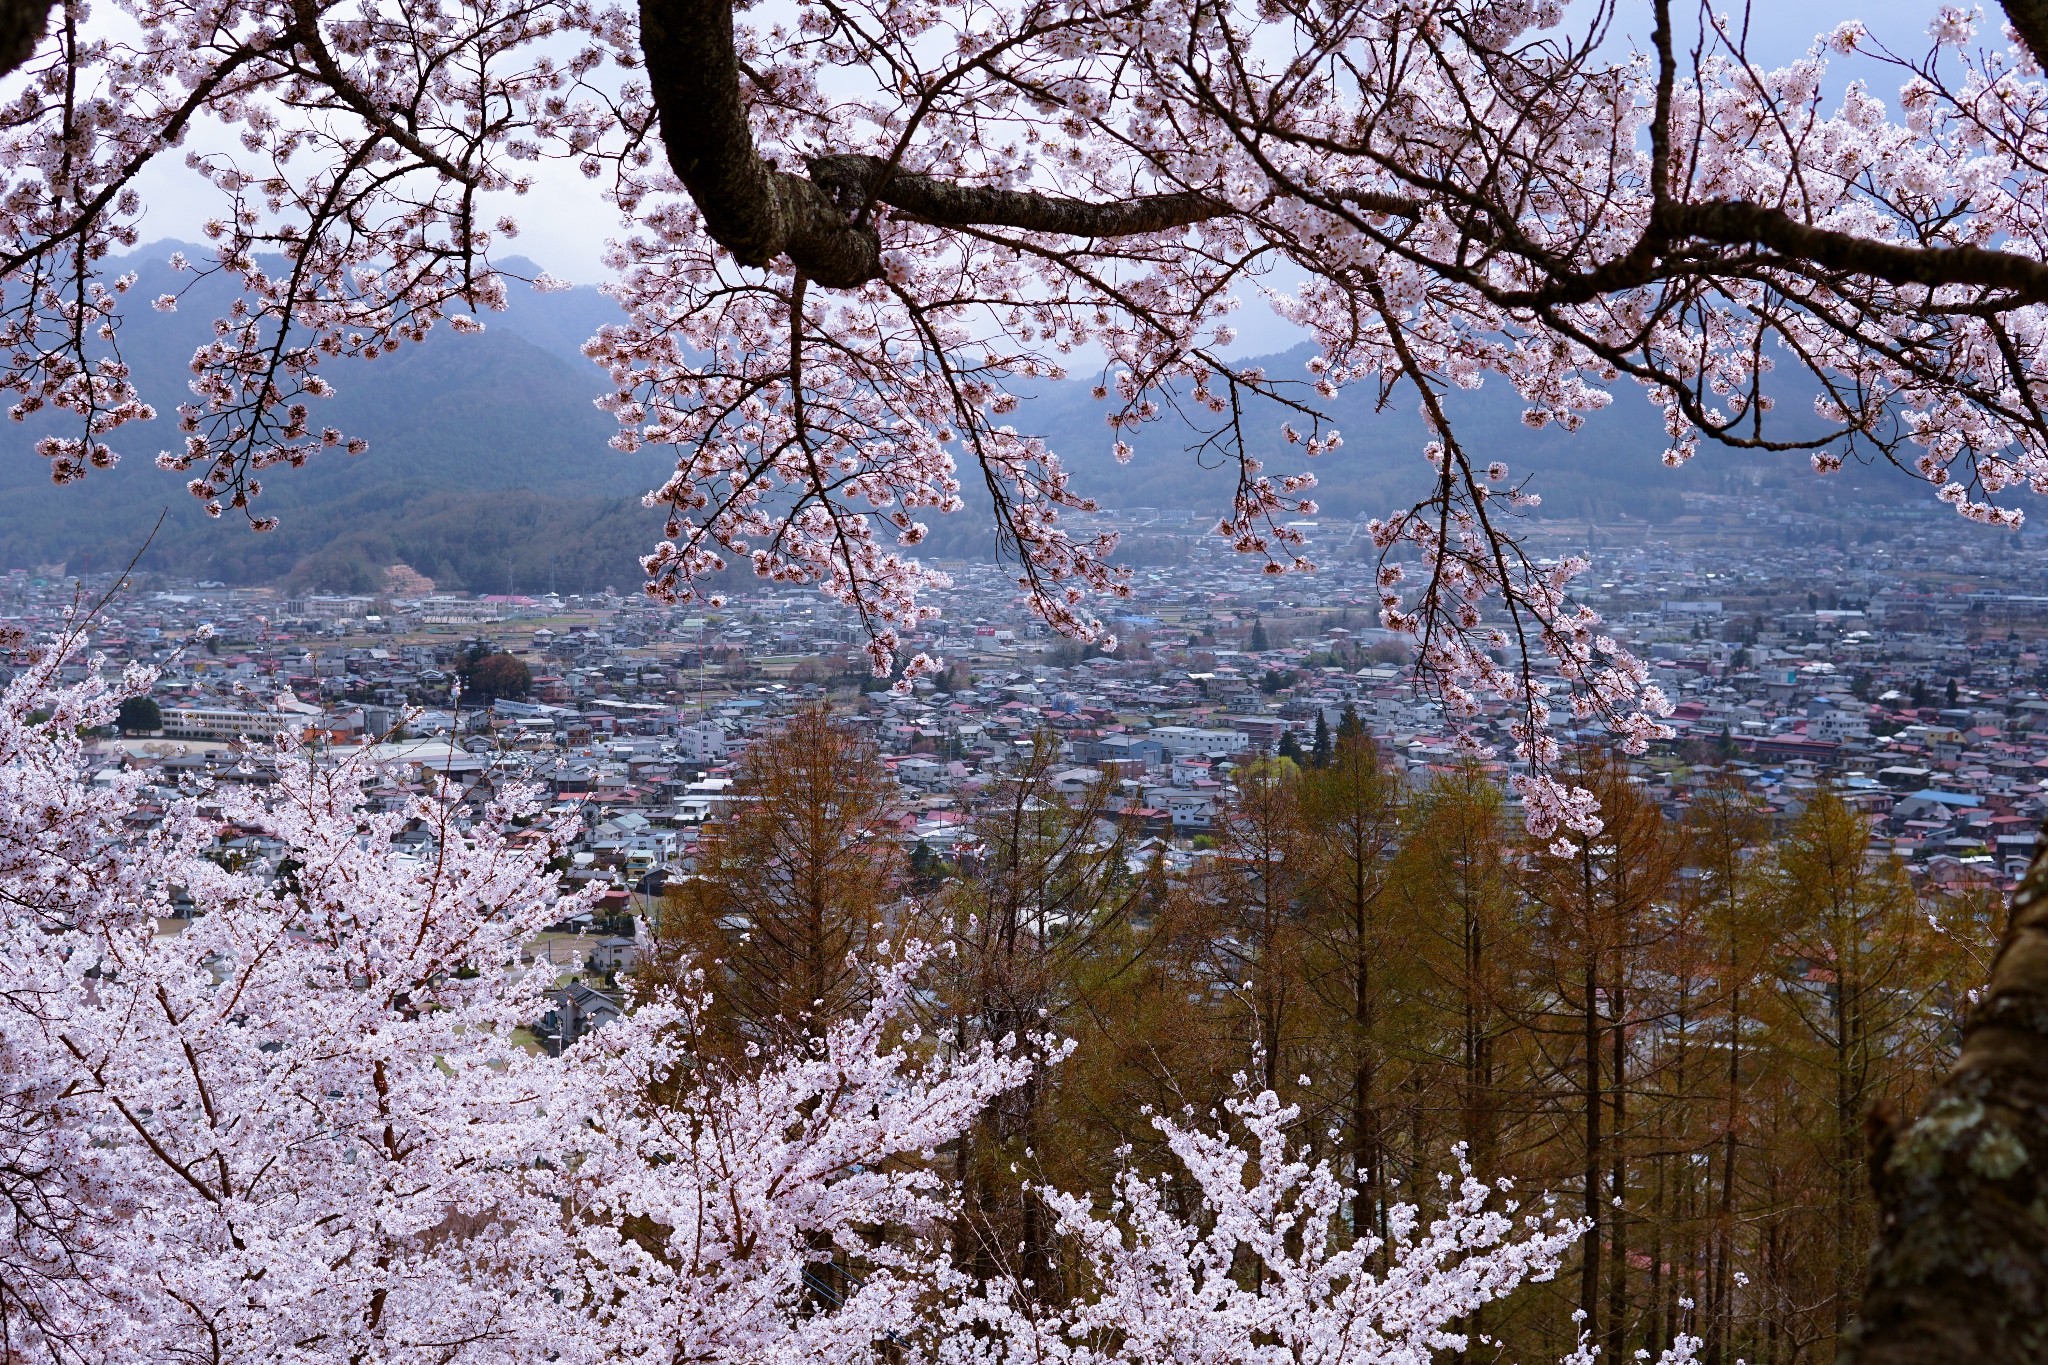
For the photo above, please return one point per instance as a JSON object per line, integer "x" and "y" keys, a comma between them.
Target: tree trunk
{"x": 1589, "y": 1269}
{"x": 1774, "y": 1276}
{"x": 1960, "y": 1272}
{"x": 1481, "y": 1140}
{"x": 1368, "y": 1204}
{"x": 22, "y": 25}
{"x": 1848, "y": 1119}
{"x": 1721, "y": 1307}
{"x": 1617, "y": 1204}
{"x": 1659, "y": 1317}
{"x": 2030, "y": 21}
{"x": 1037, "y": 1261}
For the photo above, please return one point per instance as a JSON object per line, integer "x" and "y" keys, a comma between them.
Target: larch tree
{"x": 1852, "y": 943}
{"x": 1453, "y": 882}
{"x": 1257, "y": 889}
{"x": 1351, "y": 809}
{"x": 1592, "y": 924}
{"x": 1042, "y": 897}
{"x": 793, "y": 887}
{"x": 1152, "y": 1031}
{"x": 1723, "y": 828}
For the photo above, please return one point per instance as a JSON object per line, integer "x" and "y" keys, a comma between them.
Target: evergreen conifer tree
{"x": 1350, "y": 729}
{"x": 139, "y": 716}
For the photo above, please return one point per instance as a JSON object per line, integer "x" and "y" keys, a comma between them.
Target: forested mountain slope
{"x": 488, "y": 467}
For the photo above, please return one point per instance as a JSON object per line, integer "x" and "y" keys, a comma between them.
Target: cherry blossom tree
{"x": 836, "y": 285}
{"x": 299, "y": 1125}
{"x": 715, "y": 1223}
{"x": 1172, "y": 1289}
{"x": 276, "y": 1130}
{"x": 853, "y": 231}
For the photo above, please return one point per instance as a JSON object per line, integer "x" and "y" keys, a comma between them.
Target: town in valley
{"x": 1898, "y": 659}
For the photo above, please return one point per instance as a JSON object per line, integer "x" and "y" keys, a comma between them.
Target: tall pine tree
{"x": 1350, "y": 729}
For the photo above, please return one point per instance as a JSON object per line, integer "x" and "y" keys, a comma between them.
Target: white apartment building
{"x": 210, "y": 722}
{"x": 1179, "y": 740}
{"x": 702, "y": 742}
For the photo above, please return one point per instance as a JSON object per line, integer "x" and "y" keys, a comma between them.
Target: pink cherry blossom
{"x": 850, "y": 235}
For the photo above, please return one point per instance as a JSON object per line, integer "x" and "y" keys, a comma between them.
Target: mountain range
{"x": 488, "y": 467}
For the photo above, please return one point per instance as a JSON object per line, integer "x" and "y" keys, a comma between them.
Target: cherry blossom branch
{"x": 305, "y": 32}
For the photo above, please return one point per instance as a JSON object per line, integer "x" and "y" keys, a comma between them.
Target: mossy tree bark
{"x": 1960, "y": 1272}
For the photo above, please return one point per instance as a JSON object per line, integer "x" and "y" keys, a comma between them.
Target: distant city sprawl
{"x": 1894, "y": 658}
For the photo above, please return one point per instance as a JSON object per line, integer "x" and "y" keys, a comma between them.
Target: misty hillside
{"x": 488, "y": 467}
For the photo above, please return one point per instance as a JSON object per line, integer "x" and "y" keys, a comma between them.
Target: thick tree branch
{"x": 758, "y": 212}
{"x": 750, "y": 208}
{"x": 2030, "y": 20}
{"x": 1735, "y": 223}
{"x": 1727, "y": 222}
{"x": 1389, "y": 205}
{"x": 22, "y": 25}
{"x": 859, "y": 179}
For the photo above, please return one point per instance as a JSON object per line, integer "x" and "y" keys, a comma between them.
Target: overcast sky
{"x": 564, "y": 224}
